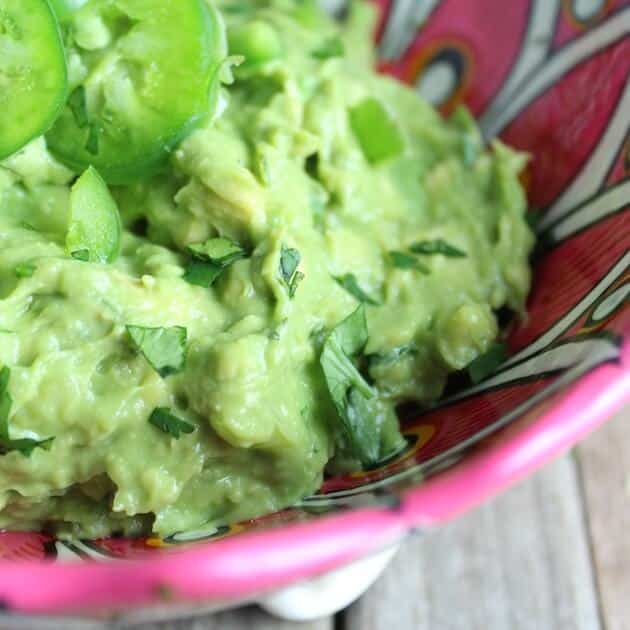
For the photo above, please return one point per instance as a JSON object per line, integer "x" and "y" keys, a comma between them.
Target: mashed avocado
{"x": 195, "y": 379}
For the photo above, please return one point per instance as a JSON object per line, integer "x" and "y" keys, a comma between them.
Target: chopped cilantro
{"x": 437, "y": 246}
{"x": 350, "y": 283}
{"x": 220, "y": 251}
{"x": 202, "y": 274}
{"x": 163, "y": 419}
{"x": 289, "y": 274}
{"x": 488, "y": 362}
{"x": 402, "y": 260}
{"x": 348, "y": 390}
{"x": 210, "y": 259}
{"x": 23, "y": 445}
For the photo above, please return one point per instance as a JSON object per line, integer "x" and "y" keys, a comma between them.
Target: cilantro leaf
{"x": 202, "y": 274}
{"x": 26, "y": 446}
{"x": 163, "y": 348}
{"x": 350, "y": 283}
{"x": 24, "y": 270}
{"x": 377, "y": 133}
{"x": 352, "y": 334}
{"x": 488, "y": 362}
{"x": 350, "y": 393}
{"x": 210, "y": 259}
{"x": 290, "y": 276}
{"x": 332, "y": 47}
{"x": 437, "y": 246}
{"x": 402, "y": 260}
{"x": 289, "y": 262}
{"x": 163, "y": 419}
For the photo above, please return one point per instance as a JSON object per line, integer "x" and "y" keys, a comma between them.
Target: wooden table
{"x": 551, "y": 554}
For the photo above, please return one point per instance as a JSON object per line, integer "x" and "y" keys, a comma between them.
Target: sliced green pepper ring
{"x": 33, "y": 74}
{"x": 150, "y": 68}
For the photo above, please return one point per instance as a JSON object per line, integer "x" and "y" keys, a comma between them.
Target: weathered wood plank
{"x": 604, "y": 461}
{"x": 250, "y": 618}
{"x": 520, "y": 562}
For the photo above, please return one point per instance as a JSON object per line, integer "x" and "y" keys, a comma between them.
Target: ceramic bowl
{"x": 549, "y": 77}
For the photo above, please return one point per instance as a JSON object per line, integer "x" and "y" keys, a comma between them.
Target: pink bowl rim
{"x": 241, "y": 567}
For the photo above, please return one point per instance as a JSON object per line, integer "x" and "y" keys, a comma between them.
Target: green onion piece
{"x": 256, "y": 40}
{"x": 377, "y": 134}
{"x": 221, "y": 251}
{"x": 290, "y": 276}
{"x": 202, "y": 274}
{"x": 402, "y": 260}
{"x": 437, "y": 246}
{"x": 210, "y": 259}
{"x": 24, "y": 270}
{"x": 350, "y": 283}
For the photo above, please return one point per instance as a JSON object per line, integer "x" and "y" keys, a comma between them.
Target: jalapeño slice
{"x": 149, "y": 68}
{"x": 33, "y": 77}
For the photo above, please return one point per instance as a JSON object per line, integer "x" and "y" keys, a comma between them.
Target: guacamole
{"x": 319, "y": 248}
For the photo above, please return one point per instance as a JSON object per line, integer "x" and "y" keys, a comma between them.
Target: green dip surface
{"x": 312, "y": 151}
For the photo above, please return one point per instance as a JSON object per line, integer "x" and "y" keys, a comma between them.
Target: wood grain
{"x": 605, "y": 466}
{"x": 249, "y": 618}
{"x": 520, "y": 562}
